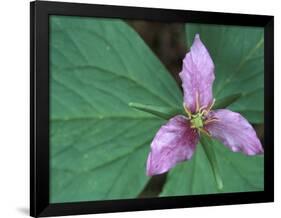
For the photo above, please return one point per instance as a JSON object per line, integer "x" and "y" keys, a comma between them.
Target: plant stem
{"x": 211, "y": 155}
{"x": 162, "y": 112}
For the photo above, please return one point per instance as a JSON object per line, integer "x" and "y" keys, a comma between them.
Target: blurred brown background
{"x": 166, "y": 40}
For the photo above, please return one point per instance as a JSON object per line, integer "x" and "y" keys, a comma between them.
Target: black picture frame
{"x": 39, "y": 108}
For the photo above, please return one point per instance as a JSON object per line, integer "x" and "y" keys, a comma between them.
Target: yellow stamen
{"x": 211, "y": 121}
{"x": 204, "y": 112}
{"x": 197, "y": 101}
{"x": 189, "y": 114}
{"x": 201, "y": 109}
{"x": 210, "y": 107}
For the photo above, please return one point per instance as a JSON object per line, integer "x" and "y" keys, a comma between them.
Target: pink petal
{"x": 235, "y": 132}
{"x": 173, "y": 143}
{"x": 197, "y": 75}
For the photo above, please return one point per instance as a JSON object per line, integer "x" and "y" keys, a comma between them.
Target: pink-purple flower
{"x": 177, "y": 139}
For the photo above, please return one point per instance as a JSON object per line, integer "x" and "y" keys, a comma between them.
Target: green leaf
{"x": 161, "y": 112}
{"x": 239, "y": 173}
{"x": 99, "y": 144}
{"x": 226, "y": 101}
{"x": 208, "y": 147}
{"x": 238, "y": 54}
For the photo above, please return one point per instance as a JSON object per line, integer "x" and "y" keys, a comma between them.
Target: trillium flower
{"x": 176, "y": 140}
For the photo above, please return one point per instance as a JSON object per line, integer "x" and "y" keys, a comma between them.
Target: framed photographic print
{"x": 139, "y": 108}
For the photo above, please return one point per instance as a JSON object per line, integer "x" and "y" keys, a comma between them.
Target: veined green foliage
{"x": 239, "y": 173}
{"x": 99, "y": 144}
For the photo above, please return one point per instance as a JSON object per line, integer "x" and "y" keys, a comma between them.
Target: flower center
{"x": 200, "y": 118}
{"x": 197, "y": 121}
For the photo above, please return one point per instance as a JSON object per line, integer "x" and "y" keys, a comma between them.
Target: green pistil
{"x": 197, "y": 121}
